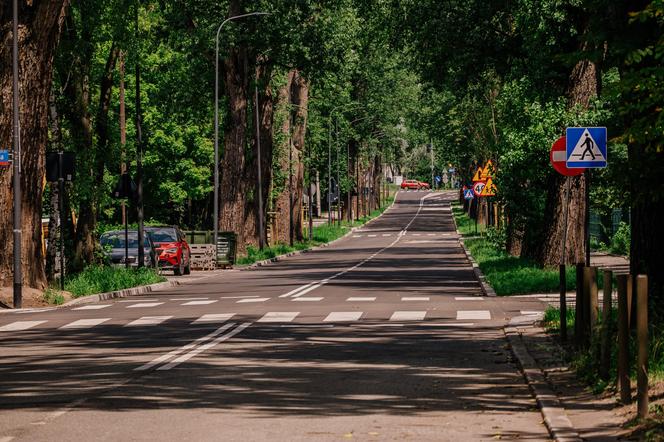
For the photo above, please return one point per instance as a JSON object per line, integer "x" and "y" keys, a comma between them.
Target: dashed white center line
{"x": 85, "y": 323}
{"x": 148, "y": 320}
{"x": 278, "y": 317}
{"x": 361, "y": 299}
{"x": 473, "y": 314}
{"x": 311, "y": 299}
{"x": 239, "y": 297}
{"x": 145, "y": 305}
{"x": 415, "y": 298}
{"x": 187, "y": 299}
{"x": 372, "y": 236}
{"x": 199, "y": 302}
{"x": 214, "y": 317}
{"x": 343, "y": 316}
{"x": 247, "y": 300}
{"x": 20, "y": 325}
{"x": 92, "y": 307}
{"x": 408, "y": 316}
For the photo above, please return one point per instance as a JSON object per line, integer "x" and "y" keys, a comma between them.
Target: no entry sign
{"x": 558, "y": 158}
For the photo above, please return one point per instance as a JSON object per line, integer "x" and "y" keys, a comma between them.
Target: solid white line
{"x": 92, "y": 307}
{"x": 415, "y": 298}
{"x": 361, "y": 299}
{"x": 204, "y": 347}
{"x": 85, "y": 323}
{"x": 407, "y": 316}
{"x": 184, "y": 348}
{"x": 309, "y": 289}
{"x": 343, "y": 316}
{"x": 145, "y": 305}
{"x": 199, "y": 302}
{"x": 244, "y": 301}
{"x": 148, "y": 320}
{"x": 294, "y": 291}
{"x": 20, "y": 325}
{"x": 278, "y": 317}
{"x": 214, "y": 317}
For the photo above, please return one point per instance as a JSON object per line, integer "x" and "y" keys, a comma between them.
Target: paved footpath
{"x": 382, "y": 336}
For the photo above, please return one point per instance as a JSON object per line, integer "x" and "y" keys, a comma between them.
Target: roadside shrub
{"x": 621, "y": 240}
{"x": 497, "y": 238}
{"x": 102, "y": 279}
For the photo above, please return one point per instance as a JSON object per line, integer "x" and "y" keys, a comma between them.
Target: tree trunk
{"x": 39, "y": 32}
{"x": 281, "y": 162}
{"x": 583, "y": 86}
{"x": 54, "y": 228}
{"x": 300, "y": 100}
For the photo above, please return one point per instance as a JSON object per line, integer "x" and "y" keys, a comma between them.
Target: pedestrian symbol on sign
{"x": 586, "y": 147}
{"x": 468, "y": 194}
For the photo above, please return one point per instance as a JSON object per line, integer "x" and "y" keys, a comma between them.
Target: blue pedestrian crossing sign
{"x": 4, "y": 157}
{"x": 468, "y": 194}
{"x": 586, "y": 147}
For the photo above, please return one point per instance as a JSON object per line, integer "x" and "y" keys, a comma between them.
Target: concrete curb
{"x": 313, "y": 249}
{"x": 140, "y": 290}
{"x": 555, "y": 418}
{"x": 486, "y": 288}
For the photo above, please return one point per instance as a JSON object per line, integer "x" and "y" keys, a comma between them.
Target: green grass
{"x": 508, "y": 275}
{"x": 102, "y": 279}
{"x": 53, "y": 297}
{"x": 322, "y": 234}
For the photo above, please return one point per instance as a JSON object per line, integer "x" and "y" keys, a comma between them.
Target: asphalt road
{"x": 382, "y": 336}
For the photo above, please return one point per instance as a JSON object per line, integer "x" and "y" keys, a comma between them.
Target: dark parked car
{"x": 114, "y": 245}
{"x": 172, "y": 248}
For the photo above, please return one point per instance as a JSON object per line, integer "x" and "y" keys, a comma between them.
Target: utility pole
{"x": 433, "y": 185}
{"x": 139, "y": 152}
{"x": 261, "y": 243}
{"x": 18, "y": 233}
{"x": 123, "y": 144}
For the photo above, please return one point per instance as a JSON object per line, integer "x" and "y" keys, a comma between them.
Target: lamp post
{"x": 216, "y": 126}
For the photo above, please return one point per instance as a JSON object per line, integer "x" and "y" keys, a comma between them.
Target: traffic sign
{"x": 468, "y": 194}
{"x": 4, "y": 157}
{"x": 446, "y": 179}
{"x": 489, "y": 188}
{"x": 478, "y": 187}
{"x": 558, "y": 158}
{"x": 438, "y": 179}
{"x": 586, "y": 147}
{"x": 478, "y": 175}
{"x": 451, "y": 170}
{"x": 489, "y": 171}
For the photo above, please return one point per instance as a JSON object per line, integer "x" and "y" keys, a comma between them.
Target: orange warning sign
{"x": 490, "y": 189}
{"x": 489, "y": 171}
{"x": 478, "y": 175}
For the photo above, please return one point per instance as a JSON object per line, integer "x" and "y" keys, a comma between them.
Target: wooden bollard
{"x": 563, "y": 302}
{"x": 642, "y": 338}
{"x": 624, "y": 298}
{"x": 578, "y": 315}
{"x": 591, "y": 299}
{"x": 605, "y": 349}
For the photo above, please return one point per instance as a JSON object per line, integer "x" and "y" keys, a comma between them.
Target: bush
{"x": 621, "y": 240}
{"x": 497, "y": 238}
{"x": 102, "y": 279}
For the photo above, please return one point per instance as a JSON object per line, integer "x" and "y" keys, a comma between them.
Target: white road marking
{"x": 307, "y": 290}
{"x": 343, "y": 316}
{"x": 148, "y": 320}
{"x": 145, "y": 305}
{"x": 177, "y": 351}
{"x": 200, "y": 349}
{"x": 417, "y": 234}
{"x": 407, "y": 316}
{"x": 531, "y": 312}
{"x": 449, "y": 324}
{"x": 378, "y": 325}
{"x": 7, "y": 438}
{"x": 92, "y": 307}
{"x": 199, "y": 302}
{"x": 244, "y": 301}
{"x": 239, "y": 297}
{"x": 307, "y": 326}
{"x": 278, "y": 317}
{"x": 136, "y": 300}
{"x": 387, "y": 234}
{"x": 415, "y": 298}
{"x": 186, "y": 299}
{"x": 85, "y": 323}
{"x": 361, "y": 299}
{"x": 473, "y": 314}
{"x": 214, "y": 317}
{"x": 468, "y": 298}
{"x": 294, "y": 291}
{"x": 357, "y": 236}
{"x": 20, "y": 325}
{"x": 372, "y": 236}
{"x": 312, "y": 299}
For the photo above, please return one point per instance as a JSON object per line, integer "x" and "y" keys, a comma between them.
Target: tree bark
{"x": 40, "y": 23}
{"x": 300, "y": 100}
{"x": 281, "y": 160}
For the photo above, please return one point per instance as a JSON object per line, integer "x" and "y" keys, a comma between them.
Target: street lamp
{"x": 216, "y": 129}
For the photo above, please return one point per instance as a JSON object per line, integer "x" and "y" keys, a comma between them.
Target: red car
{"x": 410, "y": 185}
{"x": 171, "y": 248}
{"x": 424, "y": 185}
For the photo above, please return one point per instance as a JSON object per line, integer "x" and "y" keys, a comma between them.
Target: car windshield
{"x": 116, "y": 240}
{"x": 163, "y": 234}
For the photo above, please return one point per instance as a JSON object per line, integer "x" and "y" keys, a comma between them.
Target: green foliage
{"x": 497, "y": 238}
{"x": 620, "y": 242}
{"x": 103, "y": 279}
{"x": 53, "y": 296}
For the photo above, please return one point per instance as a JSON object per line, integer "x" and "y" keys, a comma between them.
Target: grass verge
{"x": 508, "y": 275}
{"x": 102, "y": 279}
{"x": 321, "y": 235}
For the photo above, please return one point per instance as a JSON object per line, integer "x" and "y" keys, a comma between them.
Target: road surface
{"x": 382, "y": 336}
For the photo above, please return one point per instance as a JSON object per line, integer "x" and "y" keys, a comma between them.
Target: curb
{"x": 486, "y": 288}
{"x": 121, "y": 293}
{"x": 315, "y": 248}
{"x": 555, "y": 418}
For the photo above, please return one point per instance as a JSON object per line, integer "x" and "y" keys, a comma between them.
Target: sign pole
{"x": 563, "y": 261}
{"x": 18, "y": 233}
{"x": 61, "y": 202}
{"x": 587, "y": 218}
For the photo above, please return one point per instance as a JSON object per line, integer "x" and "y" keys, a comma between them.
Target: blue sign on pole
{"x": 451, "y": 170}
{"x": 586, "y": 147}
{"x": 438, "y": 179}
{"x": 4, "y": 157}
{"x": 468, "y": 194}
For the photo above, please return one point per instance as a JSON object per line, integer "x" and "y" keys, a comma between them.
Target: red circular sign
{"x": 478, "y": 186}
{"x": 558, "y": 158}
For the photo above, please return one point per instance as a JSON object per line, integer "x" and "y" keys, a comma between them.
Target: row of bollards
{"x": 587, "y": 327}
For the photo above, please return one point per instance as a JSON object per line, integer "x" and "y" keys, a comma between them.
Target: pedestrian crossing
{"x": 387, "y": 235}
{"x": 268, "y": 317}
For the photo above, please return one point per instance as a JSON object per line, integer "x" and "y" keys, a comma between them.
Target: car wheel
{"x": 187, "y": 269}
{"x": 179, "y": 270}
